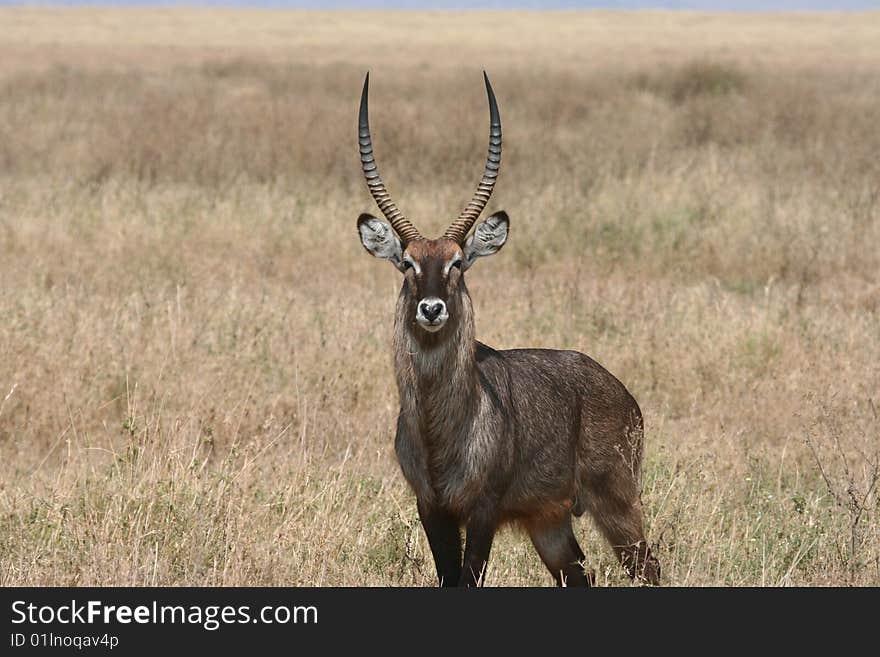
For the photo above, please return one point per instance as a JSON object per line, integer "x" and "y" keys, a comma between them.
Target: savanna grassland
{"x": 195, "y": 370}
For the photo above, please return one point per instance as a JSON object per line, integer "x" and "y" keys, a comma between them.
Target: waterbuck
{"x": 487, "y": 437}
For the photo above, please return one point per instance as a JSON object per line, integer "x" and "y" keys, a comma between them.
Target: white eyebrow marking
{"x": 448, "y": 266}
{"x": 408, "y": 258}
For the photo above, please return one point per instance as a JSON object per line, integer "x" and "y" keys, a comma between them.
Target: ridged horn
{"x": 461, "y": 226}
{"x": 399, "y": 223}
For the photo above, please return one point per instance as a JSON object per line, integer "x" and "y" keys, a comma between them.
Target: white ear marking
{"x": 379, "y": 239}
{"x": 488, "y": 238}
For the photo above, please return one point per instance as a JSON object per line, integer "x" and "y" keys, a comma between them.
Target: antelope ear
{"x": 488, "y": 238}
{"x": 379, "y": 238}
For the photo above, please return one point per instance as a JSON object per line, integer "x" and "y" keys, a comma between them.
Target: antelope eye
{"x": 407, "y": 265}
{"x": 457, "y": 264}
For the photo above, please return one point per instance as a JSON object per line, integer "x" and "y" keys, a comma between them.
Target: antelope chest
{"x": 449, "y": 469}
{"x": 440, "y": 476}
{"x": 457, "y": 473}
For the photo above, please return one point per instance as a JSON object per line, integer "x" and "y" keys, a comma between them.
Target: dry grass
{"x": 196, "y": 349}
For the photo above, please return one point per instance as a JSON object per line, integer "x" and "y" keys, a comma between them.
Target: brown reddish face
{"x": 433, "y": 269}
{"x": 432, "y": 272}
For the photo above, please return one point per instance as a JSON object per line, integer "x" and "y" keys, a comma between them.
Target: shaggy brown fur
{"x": 532, "y": 436}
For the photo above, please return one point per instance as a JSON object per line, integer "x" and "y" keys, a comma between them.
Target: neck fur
{"x": 436, "y": 372}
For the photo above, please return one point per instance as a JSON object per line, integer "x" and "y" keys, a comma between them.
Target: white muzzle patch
{"x": 431, "y": 314}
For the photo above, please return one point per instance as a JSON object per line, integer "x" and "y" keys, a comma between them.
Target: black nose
{"x": 432, "y": 310}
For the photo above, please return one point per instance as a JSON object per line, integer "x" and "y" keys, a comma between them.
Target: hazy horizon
{"x": 694, "y": 5}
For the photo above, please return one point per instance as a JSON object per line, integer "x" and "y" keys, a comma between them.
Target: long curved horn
{"x": 399, "y": 223}
{"x": 460, "y": 227}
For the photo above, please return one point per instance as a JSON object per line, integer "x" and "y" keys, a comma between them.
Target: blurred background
{"x": 195, "y": 366}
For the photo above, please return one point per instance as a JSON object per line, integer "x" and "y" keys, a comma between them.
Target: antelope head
{"x": 433, "y": 269}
